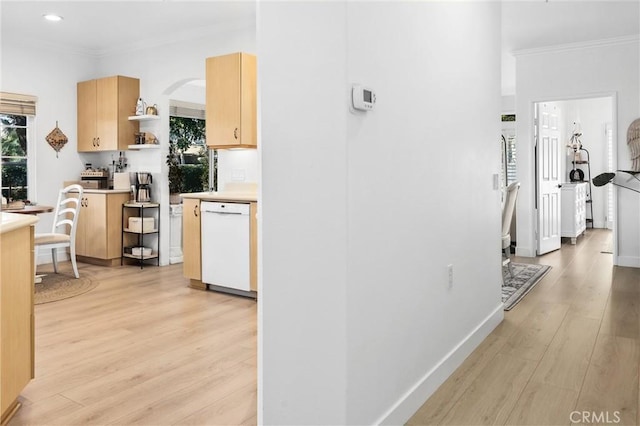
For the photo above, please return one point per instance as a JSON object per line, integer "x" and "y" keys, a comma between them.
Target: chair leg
{"x": 507, "y": 252}
{"x": 73, "y": 261}
{"x": 54, "y": 256}
{"x": 35, "y": 260}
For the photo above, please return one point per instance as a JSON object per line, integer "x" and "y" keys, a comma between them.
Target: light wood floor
{"x": 143, "y": 348}
{"x": 572, "y": 344}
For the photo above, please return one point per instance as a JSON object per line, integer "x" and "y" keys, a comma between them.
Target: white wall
{"x": 592, "y": 114}
{"x": 52, "y": 77}
{"x": 302, "y": 304}
{"x": 570, "y": 72}
{"x": 362, "y": 213}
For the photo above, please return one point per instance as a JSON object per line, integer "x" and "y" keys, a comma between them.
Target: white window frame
{"x": 31, "y": 156}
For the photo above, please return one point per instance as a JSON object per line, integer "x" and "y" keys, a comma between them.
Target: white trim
{"x": 525, "y": 251}
{"x": 410, "y": 402}
{"x": 156, "y": 41}
{"x": 615, "y": 41}
{"x": 633, "y": 262}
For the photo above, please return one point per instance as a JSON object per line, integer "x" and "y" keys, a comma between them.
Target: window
{"x": 15, "y": 156}
{"x": 189, "y": 157}
{"x": 508, "y": 145}
{"x": 18, "y": 158}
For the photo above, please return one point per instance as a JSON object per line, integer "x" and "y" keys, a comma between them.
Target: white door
{"x": 549, "y": 179}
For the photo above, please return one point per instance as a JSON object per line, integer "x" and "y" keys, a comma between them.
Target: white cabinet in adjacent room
{"x": 574, "y": 202}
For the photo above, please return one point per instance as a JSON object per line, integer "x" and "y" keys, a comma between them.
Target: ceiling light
{"x": 52, "y": 17}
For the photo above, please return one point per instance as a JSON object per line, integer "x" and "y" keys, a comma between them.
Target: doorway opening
{"x": 574, "y": 142}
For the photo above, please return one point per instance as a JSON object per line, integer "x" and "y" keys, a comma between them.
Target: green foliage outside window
{"x": 13, "y": 139}
{"x": 188, "y": 158}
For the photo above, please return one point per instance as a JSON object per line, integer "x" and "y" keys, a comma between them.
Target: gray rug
{"x": 525, "y": 277}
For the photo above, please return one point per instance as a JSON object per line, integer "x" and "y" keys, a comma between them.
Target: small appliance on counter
{"x": 121, "y": 180}
{"x": 94, "y": 178}
{"x": 143, "y": 187}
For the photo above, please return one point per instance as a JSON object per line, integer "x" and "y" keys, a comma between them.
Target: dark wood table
{"x": 30, "y": 209}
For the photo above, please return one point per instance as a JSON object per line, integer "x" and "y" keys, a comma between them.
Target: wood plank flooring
{"x": 143, "y": 348}
{"x": 572, "y": 344}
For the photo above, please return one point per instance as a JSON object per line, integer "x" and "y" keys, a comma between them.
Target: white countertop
{"x": 223, "y": 196}
{"x": 12, "y": 221}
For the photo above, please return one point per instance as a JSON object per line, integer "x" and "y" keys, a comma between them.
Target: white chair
{"x": 507, "y": 215}
{"x": 63, "y": 233}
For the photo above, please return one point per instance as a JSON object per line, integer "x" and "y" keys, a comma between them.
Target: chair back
{"x": 509, "y": 207}
{"x": 67, "y": 210}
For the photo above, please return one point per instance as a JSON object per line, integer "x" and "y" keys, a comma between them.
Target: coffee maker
{"x": 143, "y": 187}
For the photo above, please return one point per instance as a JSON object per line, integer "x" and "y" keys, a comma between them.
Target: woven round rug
{"x": 56, "y": 287}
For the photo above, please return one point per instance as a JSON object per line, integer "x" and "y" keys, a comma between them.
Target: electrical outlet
{"x": 450, "y": 269}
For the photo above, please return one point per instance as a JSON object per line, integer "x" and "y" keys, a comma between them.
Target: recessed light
{"x": 52, "y": 17}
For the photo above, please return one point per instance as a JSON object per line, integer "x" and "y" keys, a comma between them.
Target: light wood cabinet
{"x": 191, "y": 250}
{"x": 231, "y": 101}
{"x": 99, "y": 227}
{"x": 16, "y": 317}
{"x": 104, "y": 106}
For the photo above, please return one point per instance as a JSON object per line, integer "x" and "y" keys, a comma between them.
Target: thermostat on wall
{"x": 362, "y": 98}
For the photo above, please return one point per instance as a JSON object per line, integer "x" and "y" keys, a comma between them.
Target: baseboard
{"x": 409, "y": 403}
{"x": 633, "y": 262}
{"x": 44, "y": 257}
{"x": 525, "y": 252}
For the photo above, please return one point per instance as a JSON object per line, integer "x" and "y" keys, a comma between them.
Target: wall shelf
{"x": 146, "y": 117}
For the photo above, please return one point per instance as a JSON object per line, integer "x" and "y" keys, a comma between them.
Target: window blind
{"x": 186, "y": 109}
{"x": 15, "y": 103}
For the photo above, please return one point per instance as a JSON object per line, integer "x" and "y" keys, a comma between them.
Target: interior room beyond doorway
{"x": 584, "y": 149}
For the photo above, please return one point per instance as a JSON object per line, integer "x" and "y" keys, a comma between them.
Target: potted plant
{"x": 175, "y": 174}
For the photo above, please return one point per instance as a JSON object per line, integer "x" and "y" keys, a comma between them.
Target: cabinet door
{"x": 87, "y": 96}
{"x": 128, "y": 94}
{"x": 107, "y": 114}
{"x": 191, "y": 239}
{"x": 223, "y": 101}
{"x": 248, "y": 101}
{"x": 94, "y": 214}
{"x": 114, "y": 224}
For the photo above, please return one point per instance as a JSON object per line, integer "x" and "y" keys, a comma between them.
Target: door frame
{"x": 613, "y": 96}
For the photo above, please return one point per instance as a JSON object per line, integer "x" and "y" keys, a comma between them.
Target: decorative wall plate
{"x": 57, "y": 139}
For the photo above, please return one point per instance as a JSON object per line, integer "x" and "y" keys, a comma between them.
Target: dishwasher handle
{"x": 225, "y": 213}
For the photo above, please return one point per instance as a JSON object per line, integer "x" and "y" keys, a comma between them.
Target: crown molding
{"x": 183, "y": 36}
{"x": 614, "y": 41}
{"x": 151, "y": 42}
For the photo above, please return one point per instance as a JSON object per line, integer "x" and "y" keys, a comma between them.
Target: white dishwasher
{"x": 225, "y": 244}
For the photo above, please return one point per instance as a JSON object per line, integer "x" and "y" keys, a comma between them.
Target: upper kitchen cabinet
{"x": 104, "y": 105}
{"x": 231, "y": 107}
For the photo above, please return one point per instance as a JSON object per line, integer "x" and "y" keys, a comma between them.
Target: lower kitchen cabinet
{"x": 192, "y": 268}
{"x": 99, "y": 228}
